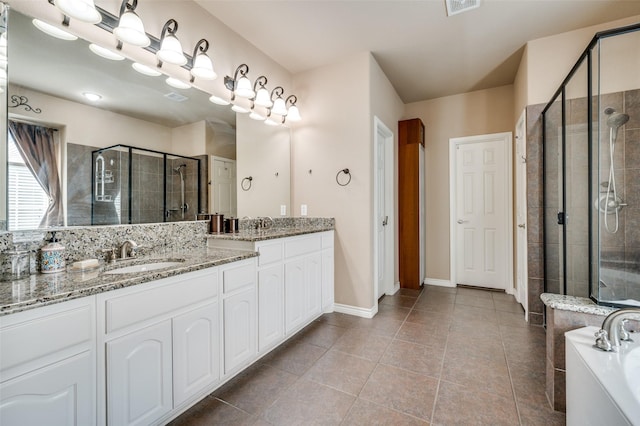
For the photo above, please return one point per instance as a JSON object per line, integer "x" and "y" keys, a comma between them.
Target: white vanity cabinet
{"x": 48, "y": 364}
{"x": 240, "y": 321}
{"x": 161, "y": 346}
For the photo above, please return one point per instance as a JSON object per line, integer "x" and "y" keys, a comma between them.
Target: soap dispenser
{"x": 52, "y": 256}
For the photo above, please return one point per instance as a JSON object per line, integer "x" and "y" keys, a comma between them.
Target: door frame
{"x": 508, "y": 177}
{"x": 522, "y": 293}
{"x": 379, "y": 128}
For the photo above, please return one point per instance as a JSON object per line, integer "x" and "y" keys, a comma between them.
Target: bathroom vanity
{"x": 142, "y": 347}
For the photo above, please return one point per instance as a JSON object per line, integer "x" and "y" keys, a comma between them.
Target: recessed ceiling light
{"x": 218, "y": 101}
{"x": 143, "y": 69}
{"x": 178, "y": 84}
{"x": 105, "y": 53}
{"x": 53, "y": 31}
{"x": 92, "y": 96}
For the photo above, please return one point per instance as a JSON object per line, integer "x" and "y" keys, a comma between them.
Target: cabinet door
{"x": 196, "y": 351}
{"x": 59, "y": 394}
{"x": 327, "y": 280}
{"x": 270, "y": 307}
{"x": 294, "y": 295}
{"x": 313, "y": 285}
{"x": 240, "y": 337}
{"x": 139, "y": 376}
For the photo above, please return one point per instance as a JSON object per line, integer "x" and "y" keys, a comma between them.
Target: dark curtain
{"x": 37, "y": 146}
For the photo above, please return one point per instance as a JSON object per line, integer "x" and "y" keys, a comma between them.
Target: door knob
{"x": 460, "y": 221}
{"x": 521, "y": 225}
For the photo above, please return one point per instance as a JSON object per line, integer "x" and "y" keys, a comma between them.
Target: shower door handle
{"x": 521, "y": 225}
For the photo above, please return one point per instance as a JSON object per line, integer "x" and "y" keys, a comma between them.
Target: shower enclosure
{"x": 591, "y": 163}
{"x": 135, "y": 185}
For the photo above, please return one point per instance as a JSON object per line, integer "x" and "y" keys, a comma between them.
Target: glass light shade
{"x": 240, "y": 109}
{"x": 105, "y": 53}
{"x": 263, "y": 98}
{"x": 130, "y": 30}
{"x": 255, "y": 116}
{"x": 178, "y": 84}
{"x": 243, "y": 88}
{"x": 143, "y": 69}
{"x": 203, "y": 67}
{"x": 53, "y": 31}
{"x": 293, "y": 114}
{"x": 82, "y": 10}
{"x": 271, "y": 122}
{"x": 279, "y": 107}
{"x": 171, "y": 51}
{"x": 218, "y": 100}
{"x": 92, "y": 96}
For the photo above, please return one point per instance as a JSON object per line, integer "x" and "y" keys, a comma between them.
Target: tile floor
{"x": 443, "y": 356}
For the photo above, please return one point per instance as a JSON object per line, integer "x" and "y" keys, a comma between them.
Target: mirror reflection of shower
{"x": 183, "y": 206}
{"x": 611, "y": 204}
{"x": 102, "y": 176}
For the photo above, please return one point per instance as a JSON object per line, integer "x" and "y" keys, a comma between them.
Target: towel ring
{"x": 246, "y": 186}
{"x": 346, "y": 172}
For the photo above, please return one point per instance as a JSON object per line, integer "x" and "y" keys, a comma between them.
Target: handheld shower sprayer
{"x": 611, "y": 201}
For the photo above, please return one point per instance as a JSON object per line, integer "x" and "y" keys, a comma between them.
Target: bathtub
{"x": 603, "y": 388}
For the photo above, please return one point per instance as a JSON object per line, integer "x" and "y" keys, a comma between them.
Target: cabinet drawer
{"x": 238, "y": 277}
{"x": 43, "y": 339}
{"x": 302, "y": 245}
{"x": 269, "y": 253}
{"x": 163, "y": 297}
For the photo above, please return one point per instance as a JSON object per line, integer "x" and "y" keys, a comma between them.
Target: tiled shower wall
{"x": 620, "y": 250}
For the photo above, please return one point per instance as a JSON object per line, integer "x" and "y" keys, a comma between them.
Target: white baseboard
{"x": 438, "y": 282}
{"x": 356, "y": 311}
{"x": 396, "y": 288}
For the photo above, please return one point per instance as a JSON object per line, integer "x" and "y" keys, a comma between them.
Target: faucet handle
{"x": 624, "y": 334}
{"x": 602, "y": 340}
{"x": 110, "y": 254}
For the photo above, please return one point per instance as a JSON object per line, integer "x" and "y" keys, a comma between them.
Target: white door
{"x": 139, "y": 376}
{"x": 223, "y": 187}
{"x": 481, "y": 211}
{"x": 59, "y": 394}
{"x": 270, "y": 307}
{"x": 196, "y": 351}
{"x": 521, "y": 214}
{"x": 240, "y": 334}
{"x": 383, "y": 209}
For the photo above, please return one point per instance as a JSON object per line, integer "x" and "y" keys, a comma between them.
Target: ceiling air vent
{"x": 458, "y": 6}
{"x": 176, "y": 97}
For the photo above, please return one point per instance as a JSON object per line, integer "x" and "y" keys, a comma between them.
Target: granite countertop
{"x": 270, "y": 233}
{"x": 574, "y": 304}
{"x": 46, "y": 289}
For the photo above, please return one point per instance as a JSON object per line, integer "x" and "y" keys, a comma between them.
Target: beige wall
{"x": 548, "y": 60}
{"x": 468, "y": 114}
{"x": 190, "y": 139}
{"x": 262, "y": 152}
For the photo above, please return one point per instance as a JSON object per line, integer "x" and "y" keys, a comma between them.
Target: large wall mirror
{"x": 142, "y": 152}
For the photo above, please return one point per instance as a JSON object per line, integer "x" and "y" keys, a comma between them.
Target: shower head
{"x": 617, "y": 119}
{"x": 179, "y": 168}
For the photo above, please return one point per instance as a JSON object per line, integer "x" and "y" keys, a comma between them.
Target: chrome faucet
{"x": 265, "y": 222}
{"x": 128, "y": 249}
{"x": 608, "y": 338}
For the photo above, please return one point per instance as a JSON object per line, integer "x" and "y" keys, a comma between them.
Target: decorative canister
{"x": 52, "y": 256}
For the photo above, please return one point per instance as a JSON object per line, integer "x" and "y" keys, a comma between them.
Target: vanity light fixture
{"x": 240, "y": 86}
{"x": 255, "y": 115}
{"x": 241, "y": 105}
{"x": 170, "y": 47}
{"x": 178, "y": 84}
{"x": 201, "y": 65}
{"x": 262, "y": 97}
{"x": 93, "y": 97}
{"x": 82, "y": 10}
{"x": 53, "y": 31}
{"x": 105, "y": 53}
{"x": 130, "y": 28}
{"x": 293, "y": 114}
{"x": 218, "y": 100}
{"x": 143, "y": 69}
{"x": 279, "y": 106}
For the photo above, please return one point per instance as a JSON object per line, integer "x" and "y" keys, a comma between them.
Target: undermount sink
{"x": 143, "y": 267}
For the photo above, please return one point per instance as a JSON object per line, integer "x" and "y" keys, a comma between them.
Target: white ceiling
{"x": 424, "y": 53}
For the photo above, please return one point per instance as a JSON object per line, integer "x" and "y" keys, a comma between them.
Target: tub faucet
{"x": 128, "y": 249}
{"x": 608, "y": 338}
